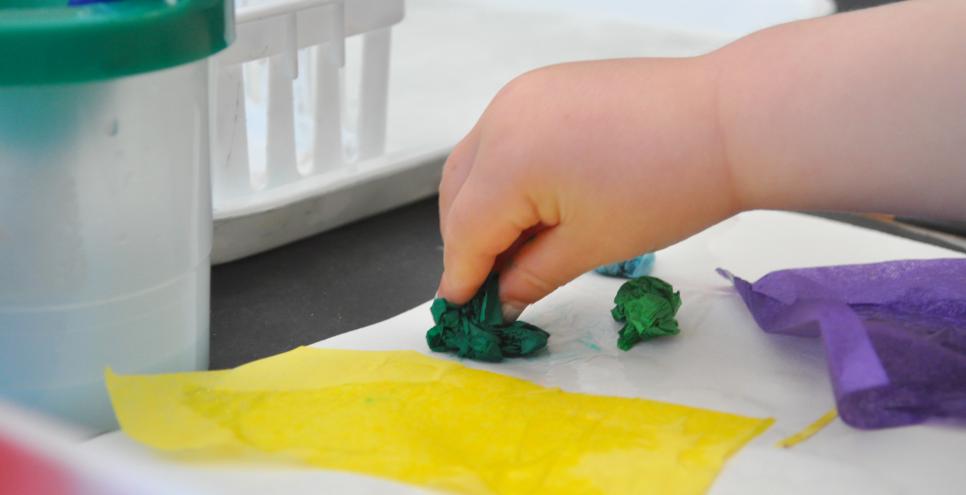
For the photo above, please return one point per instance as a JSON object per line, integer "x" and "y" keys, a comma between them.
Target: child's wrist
{"x": 736, "y": 200}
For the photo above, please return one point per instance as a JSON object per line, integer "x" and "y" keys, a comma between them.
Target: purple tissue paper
{"x": 894, "y": 333}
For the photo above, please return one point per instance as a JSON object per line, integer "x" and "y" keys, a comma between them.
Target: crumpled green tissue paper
{"x": 647, "y": 306}
{"x": 477, "y": 331}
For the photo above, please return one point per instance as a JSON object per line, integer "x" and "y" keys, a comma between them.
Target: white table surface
{"x": 721, "y": 361}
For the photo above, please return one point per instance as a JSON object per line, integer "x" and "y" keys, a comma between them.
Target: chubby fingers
{"x": 483, "y": 219}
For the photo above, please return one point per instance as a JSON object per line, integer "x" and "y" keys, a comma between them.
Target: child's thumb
{"x": 551, "y": 259}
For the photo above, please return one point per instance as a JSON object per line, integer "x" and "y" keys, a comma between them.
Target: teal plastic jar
{"x": 105, "y": 214}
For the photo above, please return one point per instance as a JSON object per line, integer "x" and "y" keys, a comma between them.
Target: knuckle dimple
{"x": 451, "y": 163}
{"x": 519, "y": 90}
{"x": 513, "y": 87}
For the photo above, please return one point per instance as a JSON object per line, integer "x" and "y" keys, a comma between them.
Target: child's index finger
{"x": 484, "y": 220}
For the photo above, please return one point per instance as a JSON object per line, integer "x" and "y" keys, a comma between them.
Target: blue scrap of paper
{"x": 638, "y": 266}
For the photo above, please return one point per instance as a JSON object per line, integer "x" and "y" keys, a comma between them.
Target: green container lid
{"x": 68, "y": 41}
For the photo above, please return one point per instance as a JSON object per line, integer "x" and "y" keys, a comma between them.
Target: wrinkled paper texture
{"x": 646, "y": 306}
{"x": 476, "y": 330}
{"x": 429, "y": 422}
{"x": 894, "y": 333}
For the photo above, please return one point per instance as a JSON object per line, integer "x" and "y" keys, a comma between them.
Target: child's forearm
{"x": 863, "y": 111}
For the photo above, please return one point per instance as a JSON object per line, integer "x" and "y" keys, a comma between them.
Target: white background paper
{"x": 721, "y": 361}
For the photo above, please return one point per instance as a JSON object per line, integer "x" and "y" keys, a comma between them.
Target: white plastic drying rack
{"x": 299, "y": 101}
{"x": 289, "y": 157}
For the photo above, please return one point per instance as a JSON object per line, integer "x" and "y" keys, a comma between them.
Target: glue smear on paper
{"x": 430, "y": 422}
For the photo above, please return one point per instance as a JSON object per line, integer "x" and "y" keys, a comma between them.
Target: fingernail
{"x": 512, "y": 310}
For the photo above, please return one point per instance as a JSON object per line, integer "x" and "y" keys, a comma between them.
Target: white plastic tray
{"x": 282, "y": 131}
{"x": 448, "y": 59}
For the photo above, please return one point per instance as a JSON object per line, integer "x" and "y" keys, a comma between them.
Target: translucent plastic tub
{"x": 105, "y": 221}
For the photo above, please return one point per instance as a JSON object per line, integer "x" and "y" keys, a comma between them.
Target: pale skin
{"x": 576, "y": 165}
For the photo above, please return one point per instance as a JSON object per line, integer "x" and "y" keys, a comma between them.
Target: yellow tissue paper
{"x": 809, "y": 431}
{"x": 430, "y": 422}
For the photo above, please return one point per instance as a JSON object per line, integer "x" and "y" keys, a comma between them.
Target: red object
{"x": 23, "y": 472}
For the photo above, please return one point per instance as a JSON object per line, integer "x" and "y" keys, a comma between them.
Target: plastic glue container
{"x": 105, "y": 209}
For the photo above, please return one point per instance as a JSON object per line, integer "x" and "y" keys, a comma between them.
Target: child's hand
{"x": 602, "y": 161}
{"x": 598, "y": 161}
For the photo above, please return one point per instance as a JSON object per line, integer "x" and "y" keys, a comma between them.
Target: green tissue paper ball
{"x": 646, "y": 305}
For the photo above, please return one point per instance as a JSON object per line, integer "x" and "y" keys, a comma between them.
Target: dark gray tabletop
{"x": 325, "y": 285}
{"x": 844, "y": 5}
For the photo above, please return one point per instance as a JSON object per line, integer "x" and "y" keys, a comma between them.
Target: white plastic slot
{"x": 280, "y": 98}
